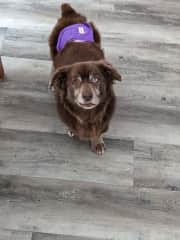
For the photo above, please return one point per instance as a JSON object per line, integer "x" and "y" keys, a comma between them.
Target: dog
{"x": 82, "y": 79}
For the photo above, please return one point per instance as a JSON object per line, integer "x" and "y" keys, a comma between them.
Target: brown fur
{"x": 82, "y": 57}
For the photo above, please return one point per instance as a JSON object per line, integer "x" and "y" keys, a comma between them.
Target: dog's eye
{"x": 73, "y": 81}
{"x": 79, "y": 79}
{"x": 93, "y": 79}
{"x": 76, "y": 80}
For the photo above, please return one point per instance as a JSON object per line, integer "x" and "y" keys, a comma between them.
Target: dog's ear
{"x": 109, "y": 71}
{"x": 59, "y": 77}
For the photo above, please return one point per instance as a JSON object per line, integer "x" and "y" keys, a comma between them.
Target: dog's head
{"x": 85, "y": 84}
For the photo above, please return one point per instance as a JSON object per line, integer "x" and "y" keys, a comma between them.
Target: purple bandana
{"x": 81, "y": 32}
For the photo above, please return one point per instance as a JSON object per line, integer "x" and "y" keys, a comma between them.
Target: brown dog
{"x": 82, "y": 79}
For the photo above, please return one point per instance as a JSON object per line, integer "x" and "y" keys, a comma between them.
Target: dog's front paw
{"x": 50, "y": 87}
{"x": 70, "y": 134}
{"x": 98, "y": 146}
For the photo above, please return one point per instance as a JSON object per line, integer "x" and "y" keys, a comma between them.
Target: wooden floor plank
{"x": 87, "y": 209}
{"x": 156, "y": 166}
{"x": 164, "y": 14}
{"x": 58, "y": 156}
{"x": 40, "y": 188}
{"x": 44, "y": 236}
{"x": 14, "y": 235}
{"x": 27, "y": 75}
{"x": 25, "y": 49}
{"x": 101, "y": 220}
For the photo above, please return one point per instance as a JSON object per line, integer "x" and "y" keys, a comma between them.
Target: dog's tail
{"x": 67, "y": 10}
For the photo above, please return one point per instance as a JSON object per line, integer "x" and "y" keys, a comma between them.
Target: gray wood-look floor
{"x": 53, "y": 187}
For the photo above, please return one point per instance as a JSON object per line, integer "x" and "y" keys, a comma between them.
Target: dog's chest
{"x": 88, "y": 130}
{"x": 88, "y": 126}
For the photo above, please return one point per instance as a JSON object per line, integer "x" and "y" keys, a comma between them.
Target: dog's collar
{"x": 80, "y": 32}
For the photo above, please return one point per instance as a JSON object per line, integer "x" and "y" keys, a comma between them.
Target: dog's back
{"x": 75, "y": 52}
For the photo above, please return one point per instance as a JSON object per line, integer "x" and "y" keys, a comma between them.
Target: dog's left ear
{"x": 109, "y": 71}
{"x": 59, "y": 77}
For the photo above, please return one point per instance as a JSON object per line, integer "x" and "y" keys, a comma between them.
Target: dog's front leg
{"x": 97, "y": 145}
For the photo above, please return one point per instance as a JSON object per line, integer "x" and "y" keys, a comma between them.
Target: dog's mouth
{"x": 87, "y": 105}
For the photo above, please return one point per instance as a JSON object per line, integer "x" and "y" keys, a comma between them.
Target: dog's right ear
{"x": 59, "y": 77}
{"x": 109, "y": 71}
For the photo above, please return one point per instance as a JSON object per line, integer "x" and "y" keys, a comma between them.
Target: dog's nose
{"x": 87, "y": 97}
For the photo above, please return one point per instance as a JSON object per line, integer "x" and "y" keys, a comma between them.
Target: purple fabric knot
{"x": 80, "y": 32}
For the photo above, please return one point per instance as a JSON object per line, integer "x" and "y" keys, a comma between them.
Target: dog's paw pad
{"x": 70, "y": 134}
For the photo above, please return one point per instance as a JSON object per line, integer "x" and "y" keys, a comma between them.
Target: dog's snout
{"x": 87, "y": 97}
